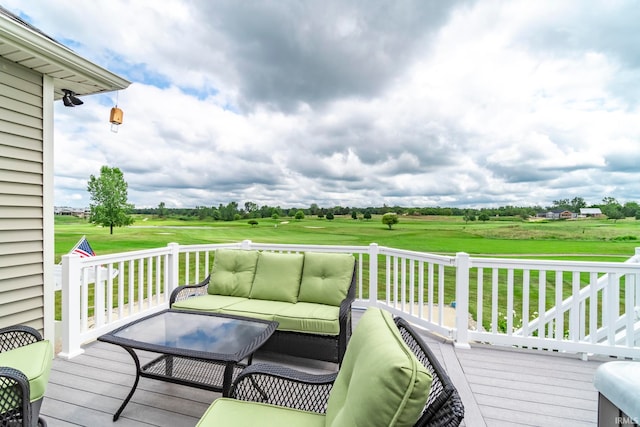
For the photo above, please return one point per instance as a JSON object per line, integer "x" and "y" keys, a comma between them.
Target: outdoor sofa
{"x": 25, "y": 364}
{"x": 389, "y": 377}
{"x": 309, "y": 295}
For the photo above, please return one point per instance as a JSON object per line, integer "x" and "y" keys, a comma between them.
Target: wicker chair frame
{"x": 288, "y": 387}
{"x": 15, "y": 407}
{"x": 328, "y": 348}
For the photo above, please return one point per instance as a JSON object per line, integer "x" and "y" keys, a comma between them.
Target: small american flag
{"x": 83, "y": 248}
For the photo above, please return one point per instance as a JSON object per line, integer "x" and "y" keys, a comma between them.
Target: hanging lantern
{"x": 116, "y": 116}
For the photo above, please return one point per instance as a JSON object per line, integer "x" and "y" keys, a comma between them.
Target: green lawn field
{"x": 592, "y": 239}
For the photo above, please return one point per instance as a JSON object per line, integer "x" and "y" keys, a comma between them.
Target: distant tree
{"x": 162, "y": 210}
{"x": 367, "y": 215}
{"x": 251, "y": 210}
{"x": 469, "y": 216}
{"x": 109, "y": 206}
{"x": 612, "y": 209}
{"x": 252, "y": 222}
{"x": 390, "y": 219}
{"x": 613, "y": 213}
{"x": 484, "y": 217}
{"x": 299, "y": 215}
{"x": 577, "y": 203}
{"x": 562, "y": 204}
{"x": 275, "y": 216}
{"x": 354, "y": 214}
{"x": 631, "y": 209}
{"x": 329, "y": 216}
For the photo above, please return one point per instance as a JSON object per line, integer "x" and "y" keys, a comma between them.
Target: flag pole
{"x": 78, "y": 244}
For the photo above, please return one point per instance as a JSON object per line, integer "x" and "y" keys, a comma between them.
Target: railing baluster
{"x": 542, "y": 302}
{"x": 526, "y": 277}
{"x": 559, "y": 319}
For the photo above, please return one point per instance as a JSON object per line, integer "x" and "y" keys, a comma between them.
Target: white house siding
{"x": 21, "y": 196}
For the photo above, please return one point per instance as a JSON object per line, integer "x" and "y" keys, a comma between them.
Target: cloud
{"x": 414, "y": 103}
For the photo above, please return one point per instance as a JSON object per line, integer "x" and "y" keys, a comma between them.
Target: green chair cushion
{"x": 308, "y": 317}
{"x": 256, "y": 308}
{"x": 233, "y": 272}
{"x": 277, "y": 277}
{"x": 326, "y": 277}
{"x": 208, "y": 303}
{"x": 225, "y": 412}
{"x": 34, "y": 360}
{"x": 380, "y": 381}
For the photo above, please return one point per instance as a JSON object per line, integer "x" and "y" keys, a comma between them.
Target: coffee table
{"x": 202, "y": 350}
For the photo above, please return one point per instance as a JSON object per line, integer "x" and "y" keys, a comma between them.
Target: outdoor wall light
{"x": 69, "y": 98}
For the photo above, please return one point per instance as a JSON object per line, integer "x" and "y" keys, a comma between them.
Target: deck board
{"x": 498, "y": 387}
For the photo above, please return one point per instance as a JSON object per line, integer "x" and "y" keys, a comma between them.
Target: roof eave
{"x": 68, "y": 69}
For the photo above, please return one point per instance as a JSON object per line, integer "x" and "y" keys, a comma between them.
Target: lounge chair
{"x": 25, "y": 364}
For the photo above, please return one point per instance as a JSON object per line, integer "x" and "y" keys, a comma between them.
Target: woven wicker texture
{"x": 282, "y": 386}
{"x": 14, "y": 398}
{"x": 443, "y": 407}
{"x": 197, "y": 371}
{"x": 17, "y": 336}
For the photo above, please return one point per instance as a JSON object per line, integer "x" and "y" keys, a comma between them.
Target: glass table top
{"x": 194, "y": 332}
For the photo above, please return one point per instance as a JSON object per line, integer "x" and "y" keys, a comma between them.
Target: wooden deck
{"x": 499, "y": 387}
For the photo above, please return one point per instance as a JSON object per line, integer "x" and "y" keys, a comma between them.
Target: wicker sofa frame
{"x": 327, "y": 348}
{"x": 282, "y": 386}
{"x": 15, "y": 407}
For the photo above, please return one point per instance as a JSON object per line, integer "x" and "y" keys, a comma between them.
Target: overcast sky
{"x": 353, "y": 103}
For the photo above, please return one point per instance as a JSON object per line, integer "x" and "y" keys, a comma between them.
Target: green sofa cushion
{"x": 256, "y": 308}
{"x": 380, "y": 381}
{"x": 326, "y": 277}
{"x": 233, "y": 272}
{"x": 277, "y": 277}
{"x": 225, "y": 412}
{"x": 308, "y": 317}
{"x": 209, "y": 303}
{"x": 34, "y": 360}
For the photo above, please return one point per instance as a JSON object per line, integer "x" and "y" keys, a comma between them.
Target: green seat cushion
{"x": 34, "y": 360}
{"x": 380, "y": 381}
{"x": 277, "y": 277}
{"x": 326, "y": 277}
{"x": 259, "y": 309}
{"x": 233, "y": 272}
{"x": 308, "y": 317}
{"x": 226, "y": 412}
{"x": 209, "y": 303}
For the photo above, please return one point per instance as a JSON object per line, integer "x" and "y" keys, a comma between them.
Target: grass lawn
{"x": 584, "y": 239}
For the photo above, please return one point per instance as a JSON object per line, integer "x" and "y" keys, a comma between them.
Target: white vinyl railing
{"x": 569, "y": 306}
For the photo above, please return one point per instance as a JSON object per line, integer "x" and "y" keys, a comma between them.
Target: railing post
{"x": 174, "y": 267}
{"x": 463, "y": 265}
{"x": 246, "y": 244}
{"x": 71, "y": 268}
{"x": 373, "y": 274}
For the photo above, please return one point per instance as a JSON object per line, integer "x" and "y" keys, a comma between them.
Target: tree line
{"x": 233, "y": 211}
{"x": 109, "y": 207}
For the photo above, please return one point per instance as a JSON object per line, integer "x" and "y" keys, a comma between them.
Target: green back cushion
{"x": 326, "y": 277}
{"x": 380, "y": 382}
{"x": 233, "y": 272}
{"x": 277, "y": 277}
